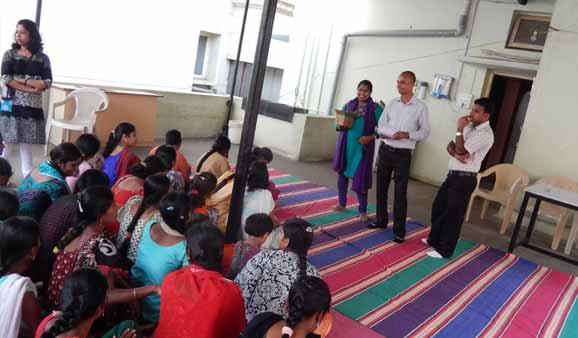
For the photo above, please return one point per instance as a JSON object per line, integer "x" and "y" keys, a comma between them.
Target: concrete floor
{"x": 420, "y": 198}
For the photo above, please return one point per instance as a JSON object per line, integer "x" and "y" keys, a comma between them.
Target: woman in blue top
{"x": 355, "y": 148}
{"x": 47, "y": 183}
{"x": 162, "y": 249}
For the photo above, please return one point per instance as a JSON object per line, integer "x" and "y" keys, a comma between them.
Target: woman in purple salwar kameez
{"x": 355, "y": 149}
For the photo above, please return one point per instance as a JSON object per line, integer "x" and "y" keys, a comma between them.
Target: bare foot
{"x": 363, "y": 218}
{"x": 338, "y": 208}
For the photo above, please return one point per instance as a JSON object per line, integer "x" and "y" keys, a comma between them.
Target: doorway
{"x": 510, "y": 95}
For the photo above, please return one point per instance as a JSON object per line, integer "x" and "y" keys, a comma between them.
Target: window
{"x": 201, "y": 56}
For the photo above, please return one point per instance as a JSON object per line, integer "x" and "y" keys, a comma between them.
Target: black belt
{"x": 395, "y": 150}
{"x": 462, "y": 173}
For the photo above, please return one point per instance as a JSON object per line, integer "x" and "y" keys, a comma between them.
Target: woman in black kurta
{"x": 26, "y": 74}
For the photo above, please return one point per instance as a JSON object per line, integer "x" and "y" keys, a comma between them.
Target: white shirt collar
{"x": 483, "y": 125}
{"x": 411, "y": 101}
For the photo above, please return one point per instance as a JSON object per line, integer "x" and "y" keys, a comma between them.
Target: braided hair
{"x": 205, "y": 246}
{"x": 84, "y": 291}
{"x": 308, "y": 296}
{"x": 202, "y": 186}
{"x": 18, "y": 235}
{"x": 222, "y": 145}
{"x": 115, "y": 137}
{"x": 175, "y": 210}
{"x": 258, "y": 177}
{"x": 300, "y": 236}
{"x": 93, "y": 202}
{"x": 155, "y": 188}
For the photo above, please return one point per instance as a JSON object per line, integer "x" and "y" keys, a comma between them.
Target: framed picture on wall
{"x": 528, "y": 31}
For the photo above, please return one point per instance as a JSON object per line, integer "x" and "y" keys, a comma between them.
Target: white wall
{"x": 11, "y": 13}
{"x": 382, "y": 59}
{"x": 548, "y": 143}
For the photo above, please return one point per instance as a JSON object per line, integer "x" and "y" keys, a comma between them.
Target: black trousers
{"x": 448, "y": 211}
{"x": 393, "y": 162}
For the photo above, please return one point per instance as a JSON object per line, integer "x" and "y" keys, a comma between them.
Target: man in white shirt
{"x": 474, "y": 138}
{"x": 404, "y": 122}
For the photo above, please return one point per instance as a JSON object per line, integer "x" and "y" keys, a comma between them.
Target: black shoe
{"x": 375, "y": 225}
{"x": 398, "y": 239}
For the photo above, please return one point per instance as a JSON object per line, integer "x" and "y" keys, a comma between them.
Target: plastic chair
{"x": 88, "y": 101}
{"x": 558, "y": 213}
{"x": 510, "y": 180}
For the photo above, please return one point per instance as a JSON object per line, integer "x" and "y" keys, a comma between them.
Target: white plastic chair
{"x": 87, "y": 101}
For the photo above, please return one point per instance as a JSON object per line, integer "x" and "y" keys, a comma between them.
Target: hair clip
{"x": 309, "y": 229}
{"x": 55, "y": 250}
{"x": 112, "y": 133}
{"x": 170, "y": 208}
{"x": 195, "y": 191}
{"x": 202, "y": 177}
{"x": 79, "y": 206}
{"x": 143, "y": 164}
{"x": 287, "y": 330}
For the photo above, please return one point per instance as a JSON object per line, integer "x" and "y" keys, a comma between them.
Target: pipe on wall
{"x": 433, "y": 33}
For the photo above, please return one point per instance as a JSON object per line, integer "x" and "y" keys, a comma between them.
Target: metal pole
{"x": 250, "y": 122}
{"x": 38, "y": 12}
{"x": 230, "y": 103}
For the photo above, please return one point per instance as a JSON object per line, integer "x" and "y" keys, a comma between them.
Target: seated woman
{"x": 268, "y": 276}
{"x": 258, "y": 228}
{"x": 168, "y": 155}
{"x": 197, "y": 301}
{"x": 57, "y": 219}
{"x": 133, "y": 184}
{"x": 202, "y": 186}
{"x": 265, "y": 155}
{"x": 19, "y": 308}
{"x": 216, "y": 160}
{"x": 308, "y": 306}
{"x": 49, "y": 178}
{"x": 137, "y": 212}
{"x": 220, "y": 199}
{"x": 87, "y": 243}
{"x": 162, "y": 250}
{"x": 118, "y": 158}
{"x": 258, "y": 198}
{"x": 88, "y": 144}
{"x": 82, "y": 302}
{"x": 8, "y": 204}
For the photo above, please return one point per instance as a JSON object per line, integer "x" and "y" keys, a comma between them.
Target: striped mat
{"x": 399, "y": 291}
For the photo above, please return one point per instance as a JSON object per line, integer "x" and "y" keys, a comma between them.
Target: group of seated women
{"x": 108, "y": 245}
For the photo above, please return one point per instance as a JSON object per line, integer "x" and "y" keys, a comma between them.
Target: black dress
{"x": 25, "y": 124}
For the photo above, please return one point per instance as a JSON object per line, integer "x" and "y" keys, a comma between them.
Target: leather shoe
{"x": 374, "y": 225}
{"x": 398, "y": 239}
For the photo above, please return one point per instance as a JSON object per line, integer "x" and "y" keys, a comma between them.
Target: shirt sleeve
{"x": 477, "y": 141}
{"x": 384, "y": 127}
{"x": 423, "y": 129}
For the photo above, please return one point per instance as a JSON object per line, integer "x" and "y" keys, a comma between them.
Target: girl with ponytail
{"x": 133, "y": 184}
{"x": 162, "y": 249}
{"x": 118, "y": 158}
{"x": 139, "y": 210}
{"x": 82, "y": 302}
{"x": 202, "y": 186}
{"x": 267, "y": 277}
{"x": 308, "y": 306}
{"x": 216, "y": 160}
{"x": 86, "y": 243}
